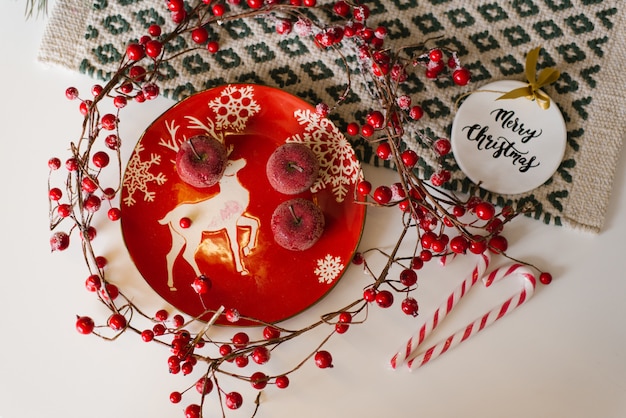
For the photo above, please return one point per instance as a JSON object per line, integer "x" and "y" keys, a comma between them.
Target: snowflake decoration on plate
{"x": 138, "y": 176}
{"x": 234, "y": 107}
{"x": 328, "y": 269}
{"x": 339, "y": 167}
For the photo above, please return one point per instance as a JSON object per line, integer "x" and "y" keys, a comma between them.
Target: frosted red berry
{"x": 410, "y": 306}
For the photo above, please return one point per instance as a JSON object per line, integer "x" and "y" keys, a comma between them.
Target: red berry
{"x": 367, "y": 130}
{"x": 283, "y": 26}
{"x": 260, "y": 355}
{"x": 161, "y": 315}
{"x": 147, "y": 335}
{"x": 84, "y": 325}
{"x": 410, "y": 307}
{"x": 383, "y": 151}
{"x": 271, "y": 333}
{"x": 109, "y": 292}
{"x": 442, "y": 146}
{"x": 369, "y": 294}
{"x": 84, "y": 107}
{"x": 384, "y": 299}
{"x": 175, "y": 5}
{"x": 178, "y": 321}
{"x": 159, "y": 329}
{"x": 96, "y": 89}
{"x": 282, "y": 382}
{"x": 233, "y": 400}
{"x": 409, "y": 158}
{"x": 154, "y": 30}
{"x": 364, "y": 187}
{"x": 218, "y": 9}
{"x": 341, "y": 8}
{"x": 461, "y": 76}
{"x": 352, "y": 128}
{"x": 477, "y": 245}
{"x": 175, "y": 397}
{"x": 100, "y": 159}
{"x": 485, "y": 211}
{"x": 225, "y": 350}
{"x": 93, "y": 283}
{"x": 416, "y": 112}
{"x": 213, "y": 47}
{"x": 545, "y": 278}
{"x": 193, "y": 411}
{"x": 241, "y": 361}
{"x": 498, "y": 244}
{"x": 54, "y": 163}
{"x": 435, "y": 55}
{"x": 358, "y": 258}
{"x": 92, "y": 203}
{"x": 408, "y": 277}
{"x": 200, "y": 35}
{"x": 361, "y": 13}
{"x": 323, "y": 359}
{"x": 114, "y": 214}
{"x": 376, "y": 119}
{"x": 117, "y": 322}
{"x": 153, "y": 48}
{"x": 426, "y": 255}
{"x": 201, "y": 284}
{"x": 204, "y": 385}
{"x": 59, "y": 241}
{"x": 459, "y": 244}
{"x": 71, "y": 93}
{"x": 382, "y": 195}
{"x": 240, "y": 339}
{"x": 417, "y": 263}
{"x": 258, "y": 380}
{"x": 135, "y": 52}
{"x": 109, "y": 121}
{"x": 55, "y": 194}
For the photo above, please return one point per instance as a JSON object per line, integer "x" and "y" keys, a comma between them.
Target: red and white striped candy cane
{"x": 442, "y": 311}
{"x": 528, "y": 288}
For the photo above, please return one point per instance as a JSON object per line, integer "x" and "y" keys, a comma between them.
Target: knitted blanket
{"x": 581, "y": 38}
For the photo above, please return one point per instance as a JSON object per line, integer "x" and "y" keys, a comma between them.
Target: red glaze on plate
{"x": 228, "y": 238}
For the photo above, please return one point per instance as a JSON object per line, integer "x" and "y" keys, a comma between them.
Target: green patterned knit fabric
{"x": 582, "y": 38}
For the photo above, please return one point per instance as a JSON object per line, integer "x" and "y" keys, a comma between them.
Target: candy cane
{"x": 441, "y": 312}
{"x": 528, "y": 288}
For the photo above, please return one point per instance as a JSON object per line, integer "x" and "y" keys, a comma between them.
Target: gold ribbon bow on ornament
{"x": 531, "y": 91}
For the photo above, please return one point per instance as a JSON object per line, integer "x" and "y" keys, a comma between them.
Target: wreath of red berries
{"x": 441, "y": 223}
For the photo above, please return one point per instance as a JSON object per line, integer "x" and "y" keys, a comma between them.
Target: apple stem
{"x": 293, "y": 213}
{"x": 296, "y": 166}
{"x": 193, "y": 149}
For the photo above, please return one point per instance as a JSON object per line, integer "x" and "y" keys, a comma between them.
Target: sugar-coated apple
{"x": 297, "y": 224}
{"x": 292, "y": 168}
{"x": 201, "y": 161}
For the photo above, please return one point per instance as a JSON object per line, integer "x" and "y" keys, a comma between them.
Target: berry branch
{"x": 441, "y": 224}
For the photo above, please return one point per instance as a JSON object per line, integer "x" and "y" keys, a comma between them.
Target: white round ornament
{"x": 509, "y": 146}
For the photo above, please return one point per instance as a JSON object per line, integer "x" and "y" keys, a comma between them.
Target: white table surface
{"x": 563, "y": 354}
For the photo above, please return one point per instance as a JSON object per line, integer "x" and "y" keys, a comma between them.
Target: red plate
{"x": 229, "y": 239}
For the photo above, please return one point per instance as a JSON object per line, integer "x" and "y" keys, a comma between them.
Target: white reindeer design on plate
{"x": 225, "y": 211}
